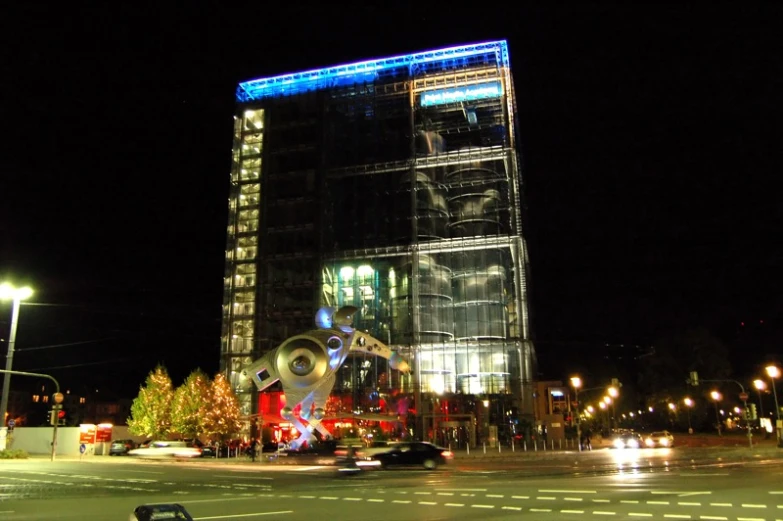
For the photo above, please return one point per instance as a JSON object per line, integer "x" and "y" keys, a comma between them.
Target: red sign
{"x": 87, "y": 433}
{"x": 743, "y": 397}
{"x": 103, "y": 434}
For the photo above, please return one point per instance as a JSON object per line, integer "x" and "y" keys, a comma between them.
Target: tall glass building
{"x": 392, "y": 185}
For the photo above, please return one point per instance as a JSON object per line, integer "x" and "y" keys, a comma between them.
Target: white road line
{"x": 352, "y": 499}
{"x": 572, "y": 511}
{"x": 600, "y": 501}
{"x": 750, "y": 519}
{"x": 495, "y": 495}
{"x": 483, "y": 506}
{"x": 445, "y": 493}
{"x": 547, "y": 498}
{"x": 677, "y": 516}
{"x": 423, "y": 493}
{"x": 138, "y": 471}
{"x": 328, "y": 497}
{"x": 244, "y": 477}
{"x": 512, "y": 508}
{"x": 556, "y": 490}
{"x": 714, "y": 518}
{"x": 373, "y": 500}
{"x": 720, "y": 504}
{"x": 254, "y": 514}
{"x": 689, "y": 503}
{"x": 463, "y": 489}
{"x": 307, "y": 497}
{"x": 630, "y": 501}
{"x": 776, "y": 491}
{"x": 520, "y": 497}
{"x": 753, "y": 505}
{"x": 657, "y": 502}
{"x": 455, "y": 504}
{"x": 427, "y": 503}
{"x": 602, "y": 513}
{"x": 540, "y": 509}
{"x": 402, "y": 501}
{"x": 639, "y": 514}
{"x": 573, "y": 498}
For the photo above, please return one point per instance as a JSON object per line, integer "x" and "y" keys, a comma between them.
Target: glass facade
{"x": 392, "y": 185}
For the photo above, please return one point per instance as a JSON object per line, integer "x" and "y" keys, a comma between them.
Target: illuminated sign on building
{"x": 456, "y": 94}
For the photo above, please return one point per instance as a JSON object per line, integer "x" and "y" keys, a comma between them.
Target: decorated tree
{"x": 190, "y": 404}
{"x": 222, "y": 417}
{"x": 150, "y": 411}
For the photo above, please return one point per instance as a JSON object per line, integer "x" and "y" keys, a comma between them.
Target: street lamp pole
{"x": 16, "y": 295}
{"x": 773, "y": 373}
{"x": 577, "y": 383}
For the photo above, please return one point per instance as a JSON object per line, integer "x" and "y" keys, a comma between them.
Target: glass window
{"x": 253, "y": 120}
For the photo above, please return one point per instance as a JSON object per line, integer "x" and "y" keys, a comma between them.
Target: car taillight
{"x": 447, "y": 454}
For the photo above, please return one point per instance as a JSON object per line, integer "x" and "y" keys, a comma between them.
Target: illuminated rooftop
{"x": 436, "y": 60}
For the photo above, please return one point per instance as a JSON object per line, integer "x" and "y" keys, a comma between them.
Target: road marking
{"x": 657, "y": 502}
{"x": 305, "y": 469}
{"x": 307, "y": 497}
{"x": 402, "y": 501}
{"x": 445, "y": 493}
{"x": 715, "y": 518}
{"x": 600, "y": 501}
{"x": 520, "y": 497}
{"x": 423, "y": 493}
{"x": 548, "y": 498}
{"x": 573, "y": 498}
{"x": 352, "y": 499}
{"x": 677, "y": 516}
{"x": 540, "y": 509}
{"x": 689, "y": 503}
{"x": 138, "y": 471}
{"x": 753, "y": 505}
{"x": 603, "y": 513}
{"x": 720, "y": 504}
{"x": 697, "y": 474}
{"x": 254, "y": 514}
{"x": 495, "y": 495}
{"x": 464, "y": 489}
{"x": 556, "y": 490}
{"x": 427, "y": 503}
{"x": 572, "y": 511}
{"x": 483, "y": 506}
{"x": 776, "y": 491}
{"x": 373, "y": 500}
{"x": 630, "y": 501}
{"x": 328, "y": 497}
{"x": 6, "y": 511}
{"x": 245, "y": 477}
{"x": 639, "y": 514}
{"x": 455, "y": 504}
{"x": 750, "y": 519}
{"x": 512, "y": 508}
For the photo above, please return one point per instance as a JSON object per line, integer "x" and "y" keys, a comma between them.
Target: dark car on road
{"x": 412, "y": 454}
{"x": 121, "y": 447}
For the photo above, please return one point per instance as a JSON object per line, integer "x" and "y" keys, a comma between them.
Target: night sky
{"x": 650, "y": 136}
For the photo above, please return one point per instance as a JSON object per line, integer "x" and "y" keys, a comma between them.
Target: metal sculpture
{"x": 306, "y": 366}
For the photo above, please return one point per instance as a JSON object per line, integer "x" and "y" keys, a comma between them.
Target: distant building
{"x": 392, "y": 185}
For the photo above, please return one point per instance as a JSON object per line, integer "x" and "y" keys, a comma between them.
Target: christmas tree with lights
{"x": 190, "y": 404}
{"x": 151, "y": 410}
{"x": 221, "y": 421}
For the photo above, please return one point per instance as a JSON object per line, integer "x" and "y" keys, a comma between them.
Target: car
{"x": 410, "y": 454}
{"x": 627, "y": 440}
{"x": 120, "y": 447}
{"x": 167, "y": 449}
{"x": 659, "y": 439}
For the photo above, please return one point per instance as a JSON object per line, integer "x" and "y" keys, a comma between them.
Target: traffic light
{"x": 52, "y": 417}
{"x": 694, "y": 379}
{"x": 61, "y": 417}
{"x": 753, "y": 412}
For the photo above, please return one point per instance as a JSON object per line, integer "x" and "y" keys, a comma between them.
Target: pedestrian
{"x": 251, "y": 449}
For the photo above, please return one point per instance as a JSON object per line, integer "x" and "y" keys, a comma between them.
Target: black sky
{"x": 650, "y": 134}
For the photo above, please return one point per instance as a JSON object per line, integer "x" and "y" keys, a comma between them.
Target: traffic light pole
{"x": 744, "y": 397}
{"x": 57, "y": 394}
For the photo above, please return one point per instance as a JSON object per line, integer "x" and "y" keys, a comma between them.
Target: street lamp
{"x": 576, "y": 382}
{"x": 773, "y": 372}
{"x": 17, "y": 295}
{"x": 760, "y": 386}
{"x": 688, "y": 404}
{"x": 716, "y": 396}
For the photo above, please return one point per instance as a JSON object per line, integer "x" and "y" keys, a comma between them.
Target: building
{"x": 392, "y": 185}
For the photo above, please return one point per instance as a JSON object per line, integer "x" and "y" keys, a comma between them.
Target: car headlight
{"x": 664, "y": 441}
{"x": 649, "y": 442}
{"x": 633, "y": 443}
{"x": 619, "y": 444}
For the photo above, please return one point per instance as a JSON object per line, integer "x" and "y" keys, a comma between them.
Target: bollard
{"x": 524, "y": 446}
{"x": 485, "y": 447}
{"x": 544, "y": 444}
{"x": 468, "y": 448}
{"x": 552, "y": 442}
{"x": 512, "y": 445}
{"x": 535, "y": 445}
{"x": 561, "y": 443}
{"x": 499, "y": 445}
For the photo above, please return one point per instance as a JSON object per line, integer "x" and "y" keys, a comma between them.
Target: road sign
{"x": 11, "y": 423}
{"x": 58, "y": 398}
{"x": 743, "y": 397}
{"x": 82, "y": 448}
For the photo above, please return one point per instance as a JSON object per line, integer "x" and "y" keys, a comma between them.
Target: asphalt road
{"x": 666, "y": 484}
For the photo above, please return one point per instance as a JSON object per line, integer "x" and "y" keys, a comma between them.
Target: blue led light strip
{"x": 367, "y": 71}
